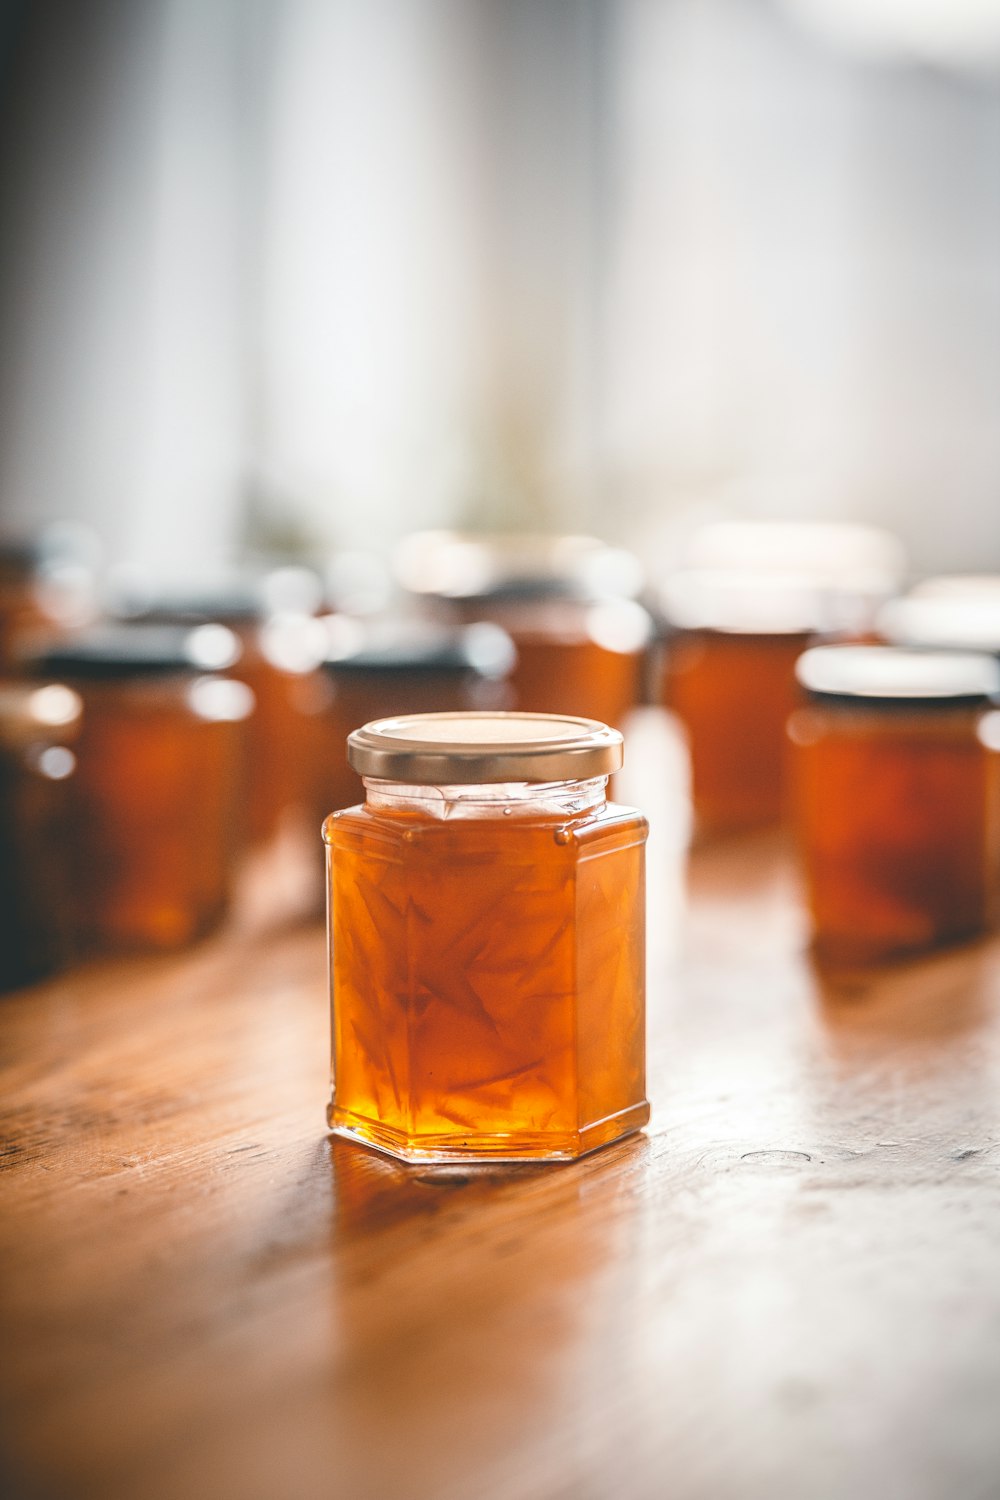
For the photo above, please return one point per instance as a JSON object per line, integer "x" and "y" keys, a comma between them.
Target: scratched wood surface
{"x": 788, "y": 1286}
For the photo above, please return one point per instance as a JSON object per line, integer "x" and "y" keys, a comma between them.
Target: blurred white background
{"x": 315, "y": 272}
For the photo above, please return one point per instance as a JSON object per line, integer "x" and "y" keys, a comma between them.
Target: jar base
{"x": 523, "y": 1146}
{"x": 849, "y": 951}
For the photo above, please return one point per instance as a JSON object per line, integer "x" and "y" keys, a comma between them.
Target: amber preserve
{"x": 487, "y": 941}
{"x": 898, "y": 798}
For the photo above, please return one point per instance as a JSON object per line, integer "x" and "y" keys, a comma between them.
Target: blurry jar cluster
{"x": 809, "y": 691}
{"x": 149, "y": 746}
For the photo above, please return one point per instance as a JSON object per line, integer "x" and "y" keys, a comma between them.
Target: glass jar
{"x": 727, "y": 671}
{"x": 566, "y": 603}
{"x": 158, "y": 786}
{"x": 487, "y": 941}
{"x": 38, "y": 726}
{"x": 374, "y": 669}
{"x": 280, "y": 649}
{"x": 897, "y": 783}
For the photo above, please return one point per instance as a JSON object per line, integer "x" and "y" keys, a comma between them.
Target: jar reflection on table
{"x": 158, "y": 792}
{"x": 374, "y": 669}
{"x": 565, "y": 601}
{"x": 39, "y": 724}
{"x": 487, "y": 941}
{"x": 897, "y": 777}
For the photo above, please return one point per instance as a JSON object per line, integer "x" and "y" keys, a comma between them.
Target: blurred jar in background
{"x": 727, "y": 670}
{"x": 281, "y": 644}
{"x": 566, "y": 602}
{"x": 897, "y": 773}
{"x": 752, "y": 597}
{"x": 48, "y": 586}
{"x": 378, "y": 669}
{"x": 38, "y": 725}
{"x": 157, "y": 797}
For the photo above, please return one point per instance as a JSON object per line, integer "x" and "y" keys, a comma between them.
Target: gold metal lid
{"x": 468, "y": 748}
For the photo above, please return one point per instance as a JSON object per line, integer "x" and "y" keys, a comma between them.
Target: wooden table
{"x": 788, "y": 1286}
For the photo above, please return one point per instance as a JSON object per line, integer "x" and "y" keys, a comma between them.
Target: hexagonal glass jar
{"x": 897, "y": 781}
{"x": 487, "y": 941}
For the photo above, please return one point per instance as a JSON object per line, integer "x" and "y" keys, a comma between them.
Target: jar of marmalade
{"x": 280, "y": 648}
{"x": 158, "y": 781}
{"x": 897, "y": 782}
{"x": 38, "y": 726}
{"x": 566, "y": 603}
{"x": 727, "y": 670}
{"x": 487, "y": 941}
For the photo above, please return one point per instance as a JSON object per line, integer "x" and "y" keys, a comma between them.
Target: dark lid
{"x": 892, "y": 677}
{"x": 140, "y": 650}
{"x": 417, "y": 646}
{"x": 236, "y": 606}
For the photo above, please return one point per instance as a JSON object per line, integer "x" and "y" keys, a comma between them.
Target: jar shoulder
{"x": 613, "y": 821}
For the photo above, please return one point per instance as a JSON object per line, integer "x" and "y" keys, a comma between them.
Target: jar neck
{"x": 506, "y": 799}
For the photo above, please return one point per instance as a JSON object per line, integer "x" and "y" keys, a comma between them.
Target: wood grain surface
{"x": 788, "y": 1286}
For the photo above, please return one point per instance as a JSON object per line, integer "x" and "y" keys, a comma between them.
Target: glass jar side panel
{"x": 370, "y": 978}
{"x": 893, "y": 827}
{"x": 734, "y": 694}
{"x": 453, "y": 983}
{"x": 611, "y": 979}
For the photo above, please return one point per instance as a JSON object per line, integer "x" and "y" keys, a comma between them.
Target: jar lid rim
{"x": 468, "y": 747}
{"x": 895, "y": 676}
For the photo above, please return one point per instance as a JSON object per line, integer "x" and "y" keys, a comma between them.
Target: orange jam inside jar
{"x": 39, "y": 724}
{"x": 898, "y": 812}
{"x": 727, "y": 672}
{"x": 486, "y": 912}
{"x": 158, "y": 781}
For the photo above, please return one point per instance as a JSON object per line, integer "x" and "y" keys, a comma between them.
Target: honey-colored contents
{"x": 575, "y": 677}
{"x": 488, "y": 981}
{"x": 897, "y": 817}
{"x": 733, "y": 694}
{"x": 152, "y": 837}
{"x": 278, "y": 738}
{"x": 560, "y": 667}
